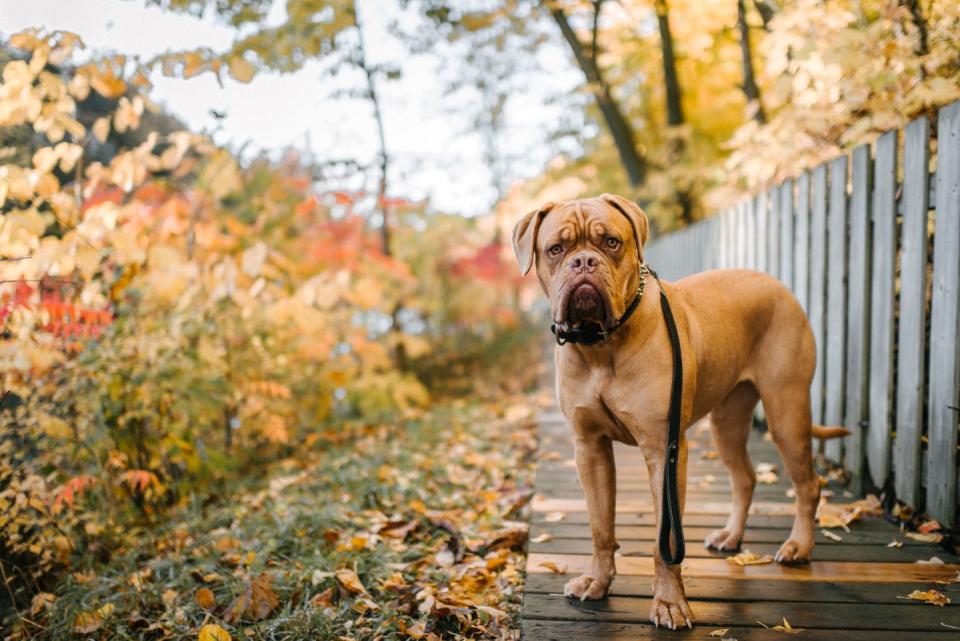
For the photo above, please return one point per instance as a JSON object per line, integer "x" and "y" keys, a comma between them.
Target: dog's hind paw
{"x": 723, "y": 541}
{"x": 674, "y": 615}
{"x": 586, "y": 588}
{"x": 793, "y": 552}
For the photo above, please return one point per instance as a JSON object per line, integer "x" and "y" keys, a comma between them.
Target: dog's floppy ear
{"x": 525, "y": 237}
{"x": 634, "y": 214}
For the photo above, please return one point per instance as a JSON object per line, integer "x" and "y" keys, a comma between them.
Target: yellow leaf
{"x": 719, "y": 633}
{"x": 87, "y": 622}
{"x": 101, "y": 129}
{"x": 350, "y": 581}
{"x": 206, "y": 599}
{"x": 550, "y": 565}
{"x": 213, "y": 632}
{"x": 926, "y": 537}
{"x": 749, "y": 558}
{"x": 933, "y": 597}
{"x": 241, "y": 70}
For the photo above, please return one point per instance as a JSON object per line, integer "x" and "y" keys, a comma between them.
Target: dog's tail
{"x": 825, "y": 433}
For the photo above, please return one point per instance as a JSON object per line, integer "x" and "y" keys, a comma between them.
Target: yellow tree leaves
{"x": 213, "y": 632}
{"x": 256, "y": 601}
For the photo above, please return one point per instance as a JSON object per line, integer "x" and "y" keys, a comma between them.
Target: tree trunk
{"x": 750, "y": 89}
{"x": 916, "y": 13}
{"x": 621, "y": 131}
{"x": 670, "y": 79}
{"x": 674, "y": 101}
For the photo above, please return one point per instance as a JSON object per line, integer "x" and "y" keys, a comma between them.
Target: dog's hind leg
{"x": 788, "y": 414}
{"x": 730, "y": 424}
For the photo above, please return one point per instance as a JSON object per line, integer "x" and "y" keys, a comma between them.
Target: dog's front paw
{"x": 794, "y": 552}
{"x": 587, "y": 588}
{"x": 723, "y": 540}
{"x": 673, "y": 613}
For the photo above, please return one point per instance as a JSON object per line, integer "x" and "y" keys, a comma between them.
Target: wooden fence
{"x": 878, "y": 272}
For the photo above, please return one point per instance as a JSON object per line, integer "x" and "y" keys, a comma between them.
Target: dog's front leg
{"x": 670, "y": 607}
{"x": 595, "y": 466}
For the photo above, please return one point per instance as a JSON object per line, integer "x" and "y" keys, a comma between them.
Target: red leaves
{"x": 73, "y": 488}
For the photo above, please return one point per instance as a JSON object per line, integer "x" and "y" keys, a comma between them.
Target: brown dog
{"x": 743, "y": 337}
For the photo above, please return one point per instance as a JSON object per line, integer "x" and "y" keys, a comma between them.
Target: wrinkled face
{"x": 587, "y": 258}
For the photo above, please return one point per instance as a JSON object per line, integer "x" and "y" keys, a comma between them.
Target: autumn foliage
{"x": 175, "y": 320}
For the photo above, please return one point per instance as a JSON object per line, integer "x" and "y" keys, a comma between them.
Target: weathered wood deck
{"x": 850, "y": 592}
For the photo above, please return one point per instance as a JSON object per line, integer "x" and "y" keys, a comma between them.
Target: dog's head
{"x": 587, "y": 254}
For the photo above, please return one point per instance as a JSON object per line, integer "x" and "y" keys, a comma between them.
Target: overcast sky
{"x": 436, "y": 155}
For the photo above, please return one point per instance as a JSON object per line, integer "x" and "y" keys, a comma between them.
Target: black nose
{"x": 584, "y": 261}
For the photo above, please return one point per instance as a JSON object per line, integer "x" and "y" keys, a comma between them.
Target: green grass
{"x": 451, "y": 484}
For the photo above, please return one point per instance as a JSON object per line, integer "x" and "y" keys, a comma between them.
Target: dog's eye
{"x": 611, "y": 243}
{"x": 555, "y": 250}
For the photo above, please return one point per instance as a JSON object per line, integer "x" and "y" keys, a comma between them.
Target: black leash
{"x": 671, "y": 526}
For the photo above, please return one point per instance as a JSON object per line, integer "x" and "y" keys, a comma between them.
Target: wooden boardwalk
{"x": 850, "y": 592}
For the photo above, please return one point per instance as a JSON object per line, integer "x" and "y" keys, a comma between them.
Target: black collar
{"x": 594, "y": 333}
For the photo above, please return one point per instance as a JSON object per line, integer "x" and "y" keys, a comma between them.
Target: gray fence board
{"x": 836, "y": 327}
{"x": 945, "y": 322}
{"x": 882, "y": 296}
{"x": 801, "y": 251}
{"x": 773, "y": 232}
{"x": 760, "y": 220}
{"x": 786, "y": 233}
{"x": 818, "y": 282}
{"x": 858, "y": 311}
{"x": 911, "y": 339}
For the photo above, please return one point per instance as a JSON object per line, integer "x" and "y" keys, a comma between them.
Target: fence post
{"x": 801, "y": 254}
{"x": 786, "y": 233}
{"x": 818, "y": 281}
{"x": 858, "y": 313}
{"x": 760, "y": 230}
{"x": 773, "y": 232}
{"x": 836, "y": 329}
{"x": 882, "y": 295}
{"x": 911, "y": 343}
{"x": 945, "y": 323}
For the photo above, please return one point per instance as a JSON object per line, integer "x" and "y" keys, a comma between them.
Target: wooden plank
{"x": 712, "y": 521}
{"x": 882, "y": 297}
{"x": 911, "y": 332}
{"x": 752, "y": 536}
{"x": 786, "y": 233}
{"x": 733, "y": 590}
{"x": 836, "y": 326}
{"x": 818, "y": 283}
{"x": 695, "y": 550}
{"x": 542, "y": 630}
{"x": 546, "y": 504}
{"x": 760, "y": 227}
{"x": 858, "y": 314}
{"x": 874, "y": 572}
{"x": 945, "y": 323}
{"x": 864, "y": 616}
{"x": 773, "y": 232}
{"x": 801, "y": 253}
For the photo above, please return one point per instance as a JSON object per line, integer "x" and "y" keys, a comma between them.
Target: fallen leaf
{"x": 895, "y": 544}
{"x": 87, "y": 622}
{"x": 550, "y": 565}
{"x": 933, "y": 560}
{"x": 832, "y": 536}
{"x": 749, "y": 558}
{"x": 719, "y": 633}
{"x": 553, "y": 517}
{"x": 933, "y": 597}
{"x": 542, "y": 538}
{"x": 205, "y": 598}
{"x": 930, "y": 526}
{"x": 213, "y": 632}
{"x": 350, "y": 581}
{"x": 256, "y": 602}
{"x": 926, "y": 537}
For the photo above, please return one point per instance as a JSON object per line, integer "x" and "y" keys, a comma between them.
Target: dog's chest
{"x": 598, "y": 403}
